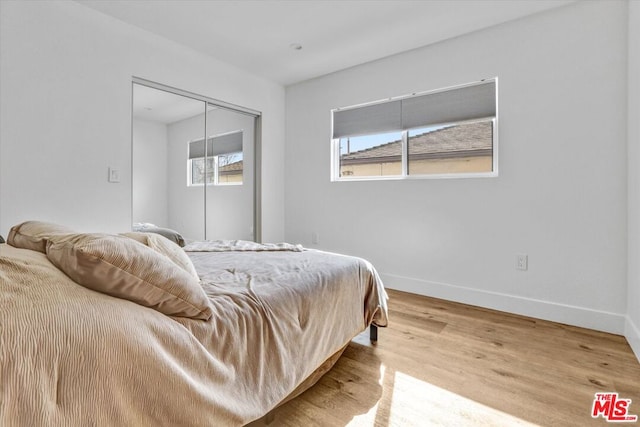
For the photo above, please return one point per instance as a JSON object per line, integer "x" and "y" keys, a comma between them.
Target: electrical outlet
{"x": 114, "y": 175}
{"x": 522, "y": 262}
{"x": 315, "y": 238}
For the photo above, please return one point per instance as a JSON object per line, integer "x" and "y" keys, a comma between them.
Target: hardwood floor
{"x": 443, "y": 363}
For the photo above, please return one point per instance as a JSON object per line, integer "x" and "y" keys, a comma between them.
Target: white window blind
{"x": 474, "y": 101}
{"x": 367, "y": 120}
{"x": 216, "y": 145}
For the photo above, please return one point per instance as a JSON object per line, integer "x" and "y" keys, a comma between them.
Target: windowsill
{"x": 211, "y": 184}
{"x": 419, "y": 177}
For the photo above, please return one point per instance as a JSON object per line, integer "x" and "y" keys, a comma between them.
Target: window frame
{"x": 215, "y": 158}
{"x": 190, "y": 182}
{"x": 216, "y": 173}
{"x": 335, "y": 142}
{"x": 216, "y": 178}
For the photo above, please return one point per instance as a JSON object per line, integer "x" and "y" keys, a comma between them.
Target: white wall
{"x": 65, "y": 107}
{"x": 186, "y": 203}
{"x": 149, "y": 150}
{"x": 632, "y": 327}
{"x": 560, "y": 197}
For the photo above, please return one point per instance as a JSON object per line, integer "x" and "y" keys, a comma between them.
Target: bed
{"x": 273, "y": 319}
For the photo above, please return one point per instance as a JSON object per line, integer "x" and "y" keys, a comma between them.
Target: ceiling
{"x": 164, "y": 107}
{"x": 334, "y": 35}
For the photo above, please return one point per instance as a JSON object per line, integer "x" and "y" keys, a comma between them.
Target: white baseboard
{"x": 632, "y": 334}
{"x": 562, "y": 313}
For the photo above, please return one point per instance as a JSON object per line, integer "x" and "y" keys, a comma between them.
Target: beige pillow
{"x": 35, "y": 234}
{"x": 123, "y": 268}
{"x": 166, "y": 247}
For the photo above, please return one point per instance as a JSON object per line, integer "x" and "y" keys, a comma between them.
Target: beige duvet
{"x": 73, "y": 356}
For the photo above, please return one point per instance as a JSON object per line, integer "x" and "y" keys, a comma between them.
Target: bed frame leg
{"x": 373, "y": 333}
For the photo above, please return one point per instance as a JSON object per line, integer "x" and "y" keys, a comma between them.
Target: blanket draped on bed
{"x": 73, "y": 356}
{"x": 240, "y": 246}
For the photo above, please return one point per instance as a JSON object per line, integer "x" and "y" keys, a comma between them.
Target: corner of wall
{"x": 632, "y": 334}
{"x": 632, "y": 324}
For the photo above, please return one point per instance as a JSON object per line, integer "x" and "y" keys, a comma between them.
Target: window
{"x": 444, "y": 133}
{"x": 198, "y": 170}
{"x": 222, "y": 164}
{"x": 371, "y": 155}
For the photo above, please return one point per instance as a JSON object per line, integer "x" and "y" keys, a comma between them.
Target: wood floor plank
{"x": 443, "y": 363}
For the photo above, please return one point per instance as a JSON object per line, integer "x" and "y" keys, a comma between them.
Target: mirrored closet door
{"x": 193, "y": 164}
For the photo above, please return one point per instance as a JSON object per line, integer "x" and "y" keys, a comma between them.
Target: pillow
{"x": 166, "y": 247}
{"x": 123, "y": 268}
{"x": 35, "y": 234}
{"x": 170, "y": 234}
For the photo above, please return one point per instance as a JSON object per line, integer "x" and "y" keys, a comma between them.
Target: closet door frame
{"x": 257, "y": 148}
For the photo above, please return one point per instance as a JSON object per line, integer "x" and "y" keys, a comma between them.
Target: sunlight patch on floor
{"x": 408, "y": 401}
{"x": 414, "y": 399}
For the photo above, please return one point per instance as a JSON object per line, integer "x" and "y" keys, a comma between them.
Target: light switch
{"x": 114, "y": 175}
